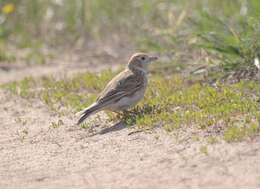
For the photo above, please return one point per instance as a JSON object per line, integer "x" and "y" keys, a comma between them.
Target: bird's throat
{"x": 140, "y": 70}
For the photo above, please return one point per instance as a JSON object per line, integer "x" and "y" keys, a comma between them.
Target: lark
{"x": 125, "y": 90}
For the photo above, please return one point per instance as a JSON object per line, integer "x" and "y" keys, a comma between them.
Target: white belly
{"x": 128, "y": 102}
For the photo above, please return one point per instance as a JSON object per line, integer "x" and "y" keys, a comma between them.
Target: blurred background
{"x": 212, "y": 32}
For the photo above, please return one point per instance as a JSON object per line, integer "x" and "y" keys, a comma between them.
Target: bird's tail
{"x": 88, "y": 111}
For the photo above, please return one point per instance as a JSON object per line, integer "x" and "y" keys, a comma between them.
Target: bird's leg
{"x": 131, "y": 111}
{"x": 112, "y": 115}
{"x": 118, "y": 114}
{"x": 127, "y": 112}
{"x": 122, "y": 114}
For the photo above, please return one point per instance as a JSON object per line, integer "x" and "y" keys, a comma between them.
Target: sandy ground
{"x": 34, "y": 154}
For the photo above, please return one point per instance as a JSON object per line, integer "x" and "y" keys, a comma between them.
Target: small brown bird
{"x": 125, "y": 90}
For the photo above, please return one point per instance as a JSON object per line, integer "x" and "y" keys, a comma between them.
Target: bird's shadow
{"x": 116, "y": 127}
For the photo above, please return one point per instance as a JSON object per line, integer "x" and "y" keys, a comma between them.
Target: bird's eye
{"x": 143, "y": 58}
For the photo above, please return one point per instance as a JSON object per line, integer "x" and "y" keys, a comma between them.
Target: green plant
{"x": 204, "y": 150}
{"x": 233, "y": 41}
{"x": 76, "y": 92}
{"x": 170, "y": 102}
{"x": 237, "y": 133}
{"x": 58, "y": 124}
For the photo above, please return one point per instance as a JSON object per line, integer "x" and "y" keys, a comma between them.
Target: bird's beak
{"x": 153, "y": 58}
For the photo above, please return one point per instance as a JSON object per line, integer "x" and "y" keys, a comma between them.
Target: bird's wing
{"x": 124, "y": 84}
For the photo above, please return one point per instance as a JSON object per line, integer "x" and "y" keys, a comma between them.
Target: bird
{"x": 125, "y": 90}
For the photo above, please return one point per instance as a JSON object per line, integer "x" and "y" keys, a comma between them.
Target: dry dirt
{"x": 34, "y": 154}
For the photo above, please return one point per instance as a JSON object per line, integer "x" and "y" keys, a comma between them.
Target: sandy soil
{"x": 34, "y": 154}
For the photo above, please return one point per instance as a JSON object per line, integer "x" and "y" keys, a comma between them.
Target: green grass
{"x": 204, "y": 150}
{"x": 234, "y": 44}
{"x": 239, "y": 132}
{"x": 220, "y": 32}
{"x": 55, "y": 125}
{"x": 76, "y": 93}
{"x": 230, "y": 111}
{"x": 5, "y": 57}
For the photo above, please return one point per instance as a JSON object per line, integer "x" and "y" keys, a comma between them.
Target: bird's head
{"x": 139, "y": 62}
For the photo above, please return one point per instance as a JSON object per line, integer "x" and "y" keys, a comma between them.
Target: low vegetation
{"x": 227, "y": 30}
{"x": 222, "y": 33}
{"x": 76, "y": 93}
{"x": 230, "y": 111}
{"x": 234, "y": 45}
